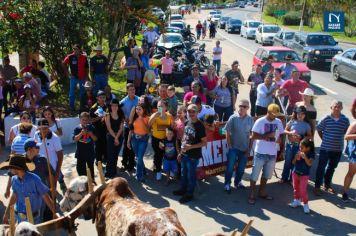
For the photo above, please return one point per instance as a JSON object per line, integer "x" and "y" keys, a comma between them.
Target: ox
{"x": 118, "y": 211}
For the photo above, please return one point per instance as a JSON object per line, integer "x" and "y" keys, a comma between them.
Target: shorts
{"x": 263, "y": 162}
{"x": 170, "y": 166}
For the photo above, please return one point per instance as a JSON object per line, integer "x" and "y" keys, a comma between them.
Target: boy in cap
{"x": 26, "y": 184}
{"x": 99, "y": 69}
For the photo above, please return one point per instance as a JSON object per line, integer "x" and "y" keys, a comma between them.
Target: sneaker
{"x": 306, "y": 208}
{"x": 158, "y": 176}
{"x": 186, "y": 198}
{"x": 227, "y": 188}
{"x": 241, "y": 185}
{"x": 345, "y": 197}
{"x": 179, "y": 192}
{"x": 295, "y": 203}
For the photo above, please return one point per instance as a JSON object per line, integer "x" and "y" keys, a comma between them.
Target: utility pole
{"x": 302, "y": 17}
{"x": 262, "y": 4}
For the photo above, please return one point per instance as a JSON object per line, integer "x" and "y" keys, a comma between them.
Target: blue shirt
{"x": 126, "y": 105}
{"x": 30, "y": 186}
{"x": 18, "y": 143}
{"x": 333, "y": 132}
{"x": 145, "y": 61}
{"x": 301, "y": 168}
{"x": 287, "y": 69}
{"x": 131, "y": 73}
{"x": 189, "y": 80}
{"x": 301, "y": 127}
{"x": 99, "y": 64}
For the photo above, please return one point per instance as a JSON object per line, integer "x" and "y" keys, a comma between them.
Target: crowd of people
{"x": 108, "y": 124}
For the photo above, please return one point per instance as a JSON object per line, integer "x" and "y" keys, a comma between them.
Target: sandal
{"x": 251, "y": 200}
{"x": 265, "y": 197}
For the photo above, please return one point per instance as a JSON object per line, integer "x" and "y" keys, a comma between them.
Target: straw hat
{"x": 308, "y": 92}
{"x": 17, "y": 162}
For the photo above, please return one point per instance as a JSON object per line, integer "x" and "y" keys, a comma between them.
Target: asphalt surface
{"x": 213, "y": 210}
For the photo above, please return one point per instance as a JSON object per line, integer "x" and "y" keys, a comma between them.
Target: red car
{"x": 279, "y": 53}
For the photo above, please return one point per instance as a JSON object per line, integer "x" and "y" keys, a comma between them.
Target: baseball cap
{"x": 195, "y": 100}
{"x": 300, "y": 109}
{"x": 274, "y": 110}
{"x": 100, "y": 93}
{"x": 30, "y": 143}
{"x": 27, "y": 86}
{"x": 18, "y": 80}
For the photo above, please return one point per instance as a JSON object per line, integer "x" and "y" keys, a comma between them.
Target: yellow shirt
{"x": 159, "y": 126}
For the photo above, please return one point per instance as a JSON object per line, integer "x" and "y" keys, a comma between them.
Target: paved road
{"x": 322, "y": 81}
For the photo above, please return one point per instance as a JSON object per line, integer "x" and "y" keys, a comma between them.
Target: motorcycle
{"x": 197, "y": 56}
{"x": 189, "y": 36}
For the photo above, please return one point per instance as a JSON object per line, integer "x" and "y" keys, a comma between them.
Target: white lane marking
{"x": 324, "y": 88}
{"x": 238, "y": 45}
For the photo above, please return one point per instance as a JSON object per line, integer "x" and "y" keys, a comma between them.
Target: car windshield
{"x": 280, "y": 55}
{"x": 289, "y": 35}
{"x": 171, "y": 39}
{"x": 213, "y": 12}
{"x": 178, "y": 25}
{"x": 224, "y": 18}
{"x": 233, "y": 21}
{"x": 320, "y": 40}
{"x": 176, "y": 18}
{"x": 217, "y": 16}
{"x": 254, "y": 24}
{"x": 172, "y": 30}
{"x": 270, "y": 29}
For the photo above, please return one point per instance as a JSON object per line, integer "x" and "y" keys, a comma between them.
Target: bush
{"x": 291, "y": 18}
{"x": 269, "y": 10}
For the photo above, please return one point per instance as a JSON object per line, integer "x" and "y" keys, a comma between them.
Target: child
{"x": 172, "y": 101}
{"x": 179, "y": 130}
{"x": 169, "y": 145}
{"x": 297, "y": 129}
{"x": 2, "y": 84}
{"x": 84, "y": 137}
{"x": 302, "y": 162}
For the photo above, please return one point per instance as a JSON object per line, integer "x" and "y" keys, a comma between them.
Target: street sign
{"x": 334, "y": 21}
{"x": 279, "y": 13}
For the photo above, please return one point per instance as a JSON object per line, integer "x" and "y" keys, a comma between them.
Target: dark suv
{"x": 316, "y": 49}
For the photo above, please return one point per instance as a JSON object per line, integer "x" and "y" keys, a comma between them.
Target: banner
{"x": 334, "y": 21}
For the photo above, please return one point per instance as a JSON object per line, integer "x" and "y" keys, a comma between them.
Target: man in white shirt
{"x": 266, "y": 133}
{"x": 151, "y": 36}
{"x": 217, "y": 51}
{"x": 203, "y": 110}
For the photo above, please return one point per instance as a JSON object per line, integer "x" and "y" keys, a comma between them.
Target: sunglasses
{"x": 243, "y": 106}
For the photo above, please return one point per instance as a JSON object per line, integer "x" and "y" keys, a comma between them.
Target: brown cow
{"x": 120, "y": 212}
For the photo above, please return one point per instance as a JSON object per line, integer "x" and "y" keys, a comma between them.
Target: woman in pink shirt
{"x": 211, "y": 81}
{"x": 167, "y": 68}
{"x": 197, "y": 89}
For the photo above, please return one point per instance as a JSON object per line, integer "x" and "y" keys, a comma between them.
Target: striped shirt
{"x": 333, "y": 132}
{"x": 18, "y": 143}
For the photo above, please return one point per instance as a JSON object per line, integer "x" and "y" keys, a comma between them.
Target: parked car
{"x": 170, "y": 40}
{"x": 212, "y": 13}
{"x": 159, "y": 13}
{"x": 222, "y": 22}
{"x": 265, "y": 34}
{"x": 178, "y": 24}
{"x": 279, "y": 54}
{"x": 343, "y": 66}
{"x": 248, "y": 28}
{"x": 283, "y": 38}
{"x": 172, "y": 30}
{"x": 175, "y": 17}
{"x": 255, "y": 4}
{"x": 316, "y": 49}
{"x": 233, "y": 25}
{"x": 216, "y": 18}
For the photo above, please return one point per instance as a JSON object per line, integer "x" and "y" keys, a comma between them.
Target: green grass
{"x": 316, "y": 28}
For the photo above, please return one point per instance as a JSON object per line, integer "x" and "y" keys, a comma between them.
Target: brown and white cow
{"x": 119, "y": 212}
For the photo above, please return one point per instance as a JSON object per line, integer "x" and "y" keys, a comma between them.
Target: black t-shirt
{"x": 99, "y": 64}
{"x": 170, "y": 151}
{"x": 100, "y": 127}
{"x": 193, "y": 133}
{"x": 85, "y": 145}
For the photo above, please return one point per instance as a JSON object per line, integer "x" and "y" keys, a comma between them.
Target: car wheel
{"x": 241, "y": 35}
{"x": 256, "y": 41}
{"x": 336, "y": 73}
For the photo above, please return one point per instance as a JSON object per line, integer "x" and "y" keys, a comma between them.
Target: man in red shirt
{"x": 79, "y": 68}
{"x": 293, "y": 88}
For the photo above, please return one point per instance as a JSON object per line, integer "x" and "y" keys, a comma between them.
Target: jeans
{"x": 291, "y": 150}
{"x": 189, "y": 169}
{"x": 253, "y": 98}
{"x": 300, "y": 184}
{"x": 158, "y": 154}
{"x": 217, "y": 65}
{"x": 224, "y": 112}
{"x": 112, "y": 155}
{"x": 263, "y": 162}
{"x": 128, "y": 156}
{"x": 139, "y": 146}
{"x": 101, "y": 81}
{"x": 327, "y": 160}
{"x": 234, "y": 155}
{"x": 73, "y": 85}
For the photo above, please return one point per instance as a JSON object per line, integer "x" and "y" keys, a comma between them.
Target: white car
{"x": 248, "y": 28}
{"x": 265, "y": 34}
{"x": 216, "y": 19}
{"x": 212, "y": 13}
{"x": 175, "y": 17}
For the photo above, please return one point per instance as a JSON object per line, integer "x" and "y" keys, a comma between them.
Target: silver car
{"x": 343, "y": 66}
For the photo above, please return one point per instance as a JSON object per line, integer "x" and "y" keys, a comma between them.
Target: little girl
{"x": 302, "y": 162}
{"x": 179, "y": 130}
{"x": 296, "y": 129}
